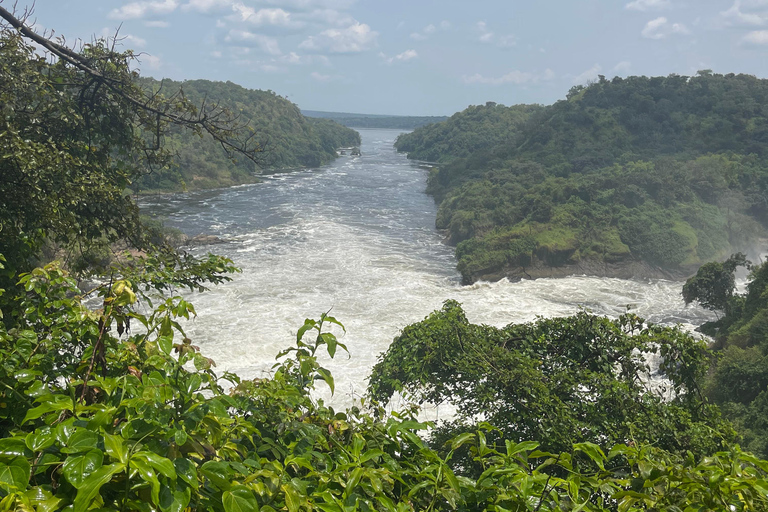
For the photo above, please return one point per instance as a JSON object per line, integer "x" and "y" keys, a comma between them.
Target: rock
{"x": 202, "y": 240}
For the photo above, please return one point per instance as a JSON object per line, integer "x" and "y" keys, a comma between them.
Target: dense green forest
{"x": 375, "y": 121}
{"x": 738, "y": 382}
{"x": 624, "y": 176}
{"x": 106, "y": 403}
{"x": 287, "y": 138}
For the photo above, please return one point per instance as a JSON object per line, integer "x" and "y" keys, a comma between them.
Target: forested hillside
{"x": 288, "y": 139}
{"x": 624, "y": 176}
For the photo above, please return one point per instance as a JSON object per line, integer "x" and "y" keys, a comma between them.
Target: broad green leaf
{"x": 79, "y": 467}
{"x": 328, "y": 378}
{"x": 219, "y": 473}
{"x": 160, "y": 464}
{"x": 186, "y": 471}
{"x": 308, "y": 324}
{"x": 116, "y": 447}
{"x": 240, "y": 499}
{"x": 14, "y": 447}
{"x": 80, "y": 441}
{"x": 14, "y": 475}
{"x": 370, "y": 454}
{"x": 91, "y": 486}
{"x": 174, "y": 500}
{"x": 593, "y": 452}
{"x": 61, "y": 403}
{"x": 460, "y": 440}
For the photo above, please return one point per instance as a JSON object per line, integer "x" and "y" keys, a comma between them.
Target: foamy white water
{"x": 357, "y": 237}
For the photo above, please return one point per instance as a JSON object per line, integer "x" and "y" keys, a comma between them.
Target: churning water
{"x": 357, "y": 237}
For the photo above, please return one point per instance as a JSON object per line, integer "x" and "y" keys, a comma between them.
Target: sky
{"x": 420, "y": 57}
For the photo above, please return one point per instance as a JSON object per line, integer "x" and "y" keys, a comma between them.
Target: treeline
{"x": 286, "y": 137}
{"x": 668, "y": 172}
{"x": 375, "y": 121}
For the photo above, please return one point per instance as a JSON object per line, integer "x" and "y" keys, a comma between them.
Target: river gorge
{"x": 357, "y": 238}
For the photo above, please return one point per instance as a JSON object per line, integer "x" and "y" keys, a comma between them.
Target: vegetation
{"x": 666, "y": 171}
{"x": 113, "y": 407}
{"x": 375, "y": 121}
{"x": 287, "y": 138}
{"x": 559, "y": 381}
{"x": 738, "y": 382}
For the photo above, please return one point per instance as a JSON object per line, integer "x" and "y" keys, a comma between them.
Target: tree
{"x": 75, "y": 131}
{"x": 714, "y": 284}
{"x": 559, "y": 381}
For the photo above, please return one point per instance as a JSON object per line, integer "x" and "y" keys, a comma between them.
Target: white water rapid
{"x": 357, "y": 237}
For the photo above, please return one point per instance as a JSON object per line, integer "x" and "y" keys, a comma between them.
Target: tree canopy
{"x": 625, "y": 176}
{"x": 559, "y": 381}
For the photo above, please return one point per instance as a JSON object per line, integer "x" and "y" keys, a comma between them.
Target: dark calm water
{"x": 357, "y": 237}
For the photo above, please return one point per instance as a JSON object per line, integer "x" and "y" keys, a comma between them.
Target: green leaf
{"x": 77, "y": 468}
{"x": 240, "y": 499}
{"x": 219, "y": 474}
{"x": 116, "y": 447}
{"x": 161, "y": 464}
{"x": 292, "y": 500}
{"x": 81, "y": 440}
{"x": 370, "y": 454}
{"x": 60, "y": 403}
{"x": 525, "y": 446}
{"x": 186, "y": 471}
{"x": 180, "y": 437}
{"x": 461, "y": 440}
{"x": 91, "y": 486}
{"x": 328, "y": 378}
{"x": 14, "y": 475}
{"x": 174, "y": 500}
{"x": 308, "y": 324}
{"x": 14, "y": 447}
{"x": 593, "y": 452}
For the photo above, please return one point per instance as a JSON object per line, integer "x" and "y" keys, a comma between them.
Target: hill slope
{"x": 636, "y": 176}
{"x": 289, "y": 139}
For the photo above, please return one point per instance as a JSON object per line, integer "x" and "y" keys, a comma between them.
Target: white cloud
{"x": 133, "y": 41}
{"x": 249, "y": 39}
{"x": 137, "y": 10}
{"x": 622, "y": 67}
{"x": 152, "y": 61}
{"x": 661, "y": 28}
{"x": 264, "y": 17}
{"x": 513, "y": 77}
{"x": 353, "y": 39}
{"x": 157, "y": 24}
{"x": 320, "y": 77}
{"x": 301, "y": 60}
{"x": 756, "y": 37}
{"x": 487, "y": 36}
{"x": 429, "y": 30}
{"x": 326, "y": 17}
{"x": 403, "y": 57}
{"x": 207, "y": 5}
{"x": 647, "y": 5}
{"x": 736, "y": 15}
{"x": 587, "y": 75}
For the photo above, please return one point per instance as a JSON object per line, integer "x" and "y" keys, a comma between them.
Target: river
{"x": 357, "y": 238}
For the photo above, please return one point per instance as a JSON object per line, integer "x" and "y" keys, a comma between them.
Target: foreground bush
{"x": 116, "y": 409}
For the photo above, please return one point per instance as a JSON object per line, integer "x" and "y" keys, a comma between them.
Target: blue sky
{"x": 421, "y": 57}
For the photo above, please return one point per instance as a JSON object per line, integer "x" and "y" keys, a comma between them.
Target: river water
{"x": 357, "y": 238}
